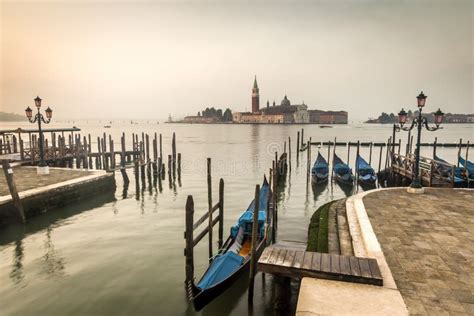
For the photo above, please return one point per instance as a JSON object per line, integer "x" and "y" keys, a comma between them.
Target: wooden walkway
{"x": 296, "y": 263}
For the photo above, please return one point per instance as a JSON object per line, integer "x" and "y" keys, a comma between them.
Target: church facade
{"x": 285, "y": 113}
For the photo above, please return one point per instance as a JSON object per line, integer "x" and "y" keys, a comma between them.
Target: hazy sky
{"x": 147, "y": 59}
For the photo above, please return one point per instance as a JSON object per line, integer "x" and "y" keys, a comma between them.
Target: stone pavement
{"x": 428, "y": 242}
{"x": 26, "y": 178}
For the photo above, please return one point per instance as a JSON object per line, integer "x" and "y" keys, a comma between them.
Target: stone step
{"x": 345, "y": 240}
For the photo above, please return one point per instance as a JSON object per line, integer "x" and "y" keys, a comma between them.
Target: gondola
{"x": 445, "y": 171}
{"x": 365, "y": 173}
{"x": 320, "y": 170}
{"x": 342, "y": 171}
{"x": 468, "y": 167}
{"x": 233, "y": 259}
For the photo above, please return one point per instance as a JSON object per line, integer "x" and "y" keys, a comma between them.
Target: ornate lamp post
{"x": 419, "y": 122}
{"x": 42, "y": 166}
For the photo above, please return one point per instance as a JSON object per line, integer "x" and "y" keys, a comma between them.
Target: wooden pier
{"x": 297, "y": 263}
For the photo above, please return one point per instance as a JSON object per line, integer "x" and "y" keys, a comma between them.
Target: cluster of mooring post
{"x": 191, "y": 226}
{"x": 70, "y": 150}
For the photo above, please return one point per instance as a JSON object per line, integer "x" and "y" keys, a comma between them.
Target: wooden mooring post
{"x": 289, "y": 152}
{"x": 297, "y": 145}
{"x": 253, "y": 245}
{"x": 8, "y": 171}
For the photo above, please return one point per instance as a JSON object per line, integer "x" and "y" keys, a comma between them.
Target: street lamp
{"x": 419, "y": 122}
{"x": 42, "y": 166}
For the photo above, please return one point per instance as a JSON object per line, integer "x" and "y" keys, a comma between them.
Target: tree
{"x": 227, "y": 117}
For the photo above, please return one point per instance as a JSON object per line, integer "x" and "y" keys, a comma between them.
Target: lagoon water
{"x": 123, "y": 254}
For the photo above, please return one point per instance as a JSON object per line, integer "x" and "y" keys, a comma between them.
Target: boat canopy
{"x": 340, "y": 167}
{"x": 446, "y": 171}
{"x": 320, "y": 165}
{"x": 222, "y": 266}
{"x": 246, "y": 219}
{"x": 363, "y": 167}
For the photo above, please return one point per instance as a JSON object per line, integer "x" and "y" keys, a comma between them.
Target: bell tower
{"x": 255, "y": 97}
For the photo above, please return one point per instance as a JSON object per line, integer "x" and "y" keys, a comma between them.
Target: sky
{"x": 150, "y": 59}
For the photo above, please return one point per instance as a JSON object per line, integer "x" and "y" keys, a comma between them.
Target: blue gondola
{"x": 342, "y": 171}
{"x": 234, "y": 257}
{"x": 468, "y": 165}
{"x": 366, "y": 174}
{"x": 320, "y": 170}
{"x": 468, "y": 168}
{"x": 445, "y": 171}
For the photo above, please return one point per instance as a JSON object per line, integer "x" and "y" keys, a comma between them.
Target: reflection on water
{"x": 17, "y": 274}
{"x": 53, "y": 263}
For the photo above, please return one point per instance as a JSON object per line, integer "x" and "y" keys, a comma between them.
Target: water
{"x": 123, "y": 254}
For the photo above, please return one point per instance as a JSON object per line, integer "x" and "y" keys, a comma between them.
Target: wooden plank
{"x": 355, "y": 269}
{"x": 308, "y": 257}
{"x": 325, "y": 262}
{"x": 301, "y": 273}
{"x": 374, "y": 269}
{"x": 316, "y": 262}
{"x": 274, "y": 256}
{"x": 215, "y": 207}
{"x": 290, "y": 256}
{"x": 298, "y": 262}
{"x": 281, "y": 256}
{"x": 204, "y": 232}
{"x": 265, "y": 255}
{"x": 364, "y": 268}
{"x": 335, "y": 267}
{"x": 345, "y": 265}
{"x": 201, "y": 220}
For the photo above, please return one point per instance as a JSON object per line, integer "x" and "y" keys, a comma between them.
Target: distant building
{"x": 200, "y": 119}
{"x": 458, "y": 118}
{"x": 328, "y": 117}
{"x": 286, "y": 113}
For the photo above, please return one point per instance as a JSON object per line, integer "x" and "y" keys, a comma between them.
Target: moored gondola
{"x": 365, "y": 173}
{"x": 342, "y": 171}
{"x": 446, "y": 171}
{"x": 233, "y": 259}
{"x": 320, "y": 170}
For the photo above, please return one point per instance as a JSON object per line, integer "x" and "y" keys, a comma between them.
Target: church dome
{"x": 285, "y": 101}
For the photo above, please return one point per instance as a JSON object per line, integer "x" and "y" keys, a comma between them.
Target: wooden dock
{"x": 297, "y": 263}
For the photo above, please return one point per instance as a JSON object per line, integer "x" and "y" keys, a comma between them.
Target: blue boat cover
{"x": 468, "y": 165}
{"x": 340, "y": 167}
{"x": 366, "y": 172}
{"x": 222, "y": 266}
{"x": 446, "y": 171}
{"x": 320, "y": 167}
{"x": 246, "y": 219}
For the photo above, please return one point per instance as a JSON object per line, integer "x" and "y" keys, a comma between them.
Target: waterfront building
{"x": 200, "y": 119}
{"x": 286, "y": 113}
{"x": 328, "y": 117}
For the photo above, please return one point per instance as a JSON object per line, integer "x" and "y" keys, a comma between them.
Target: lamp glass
{"x": 49, "y": 113}
{"x": 38, "y": 102}
{"x": 439, "y": 115}
{"x": 402, "y": 117}
{"x": 29, "y": 112}
{"x": 421, "y": 99}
